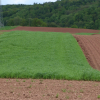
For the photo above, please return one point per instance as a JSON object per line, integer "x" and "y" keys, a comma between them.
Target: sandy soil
{"x": 52, "y": 29}
{"x": 33, "y": 89}
{"x": 40, "y": 89}
{"x": 90, "y": 45}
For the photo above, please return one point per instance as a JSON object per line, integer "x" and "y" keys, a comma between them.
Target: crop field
{"x": 48, "y": 55}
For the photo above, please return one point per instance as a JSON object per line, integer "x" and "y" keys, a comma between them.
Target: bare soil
{"x": 40, "y": 89}
{"x": 52, "y": 29}
{"x": 90, "y": 45}
{"x": 46, "y": 89}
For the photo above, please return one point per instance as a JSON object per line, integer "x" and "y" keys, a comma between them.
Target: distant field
{"x": 8, "y": 27}
{"x": 48, "y": 55}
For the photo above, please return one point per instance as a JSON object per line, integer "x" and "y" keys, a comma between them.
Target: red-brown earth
{"x": 52, "y": 29}
{"x": 46, "y": 89}
{"x": 90, "y": 45}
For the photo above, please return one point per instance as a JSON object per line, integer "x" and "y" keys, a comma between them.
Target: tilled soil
{"x": 40, "y": 89}
{"x": 90, "y": 45}
{"x": 52, "y": 29}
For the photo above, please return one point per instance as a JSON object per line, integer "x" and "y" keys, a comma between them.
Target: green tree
{"x": 97, "y": 24}
{"x": 38, "y": 23}
{"x": 10, "y": 22}
{"x": 23, "y": 22}
{"x": 52, "y": 24}
{"x": 74, "y": 26}
{"x": 17, "y": 20}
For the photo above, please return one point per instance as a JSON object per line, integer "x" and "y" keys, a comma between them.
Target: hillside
{"x": 62, "y": 13}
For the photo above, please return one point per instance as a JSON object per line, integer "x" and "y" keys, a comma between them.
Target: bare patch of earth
{"x": 45, "y": 89}
{"x": 53, "y": 29}
{"x": 90, "y": 45}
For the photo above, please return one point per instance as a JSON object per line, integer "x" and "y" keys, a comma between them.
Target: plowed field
{"x": 52, "y": 29}
{"x": 29, "y": 89}
{"x": 91, "y": 48}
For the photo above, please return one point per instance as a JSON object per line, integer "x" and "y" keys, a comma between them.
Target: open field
{"x": 46, "y": 89}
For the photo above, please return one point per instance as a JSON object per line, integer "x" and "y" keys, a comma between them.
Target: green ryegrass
{"x": 57, "y": 95}
{"x": 86, "y": 33}
{"x": 98, "y": 97}
{"x": 48, "y": 55}
{"x": 7, "y": 27}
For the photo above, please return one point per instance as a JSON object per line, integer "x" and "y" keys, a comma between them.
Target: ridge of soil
{"x": 52, "y": 29}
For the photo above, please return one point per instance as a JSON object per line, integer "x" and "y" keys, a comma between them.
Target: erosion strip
{"x": 91, "y": 48}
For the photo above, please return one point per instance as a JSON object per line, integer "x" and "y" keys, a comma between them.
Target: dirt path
{"x": 52, "y": 29}
{"x": 22, "y": 89}
{"x": 91, "y": 48}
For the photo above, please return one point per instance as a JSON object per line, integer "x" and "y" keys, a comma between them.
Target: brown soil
{"x": 90, "y": 46}
{"x": 38, "y": 89}
{"x": 22, "y": 89}
{"x": 51, "y": 29}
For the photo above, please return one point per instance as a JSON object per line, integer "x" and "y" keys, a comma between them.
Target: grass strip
{"x": 48, "y": 55}
{"x": 7, "y": 27}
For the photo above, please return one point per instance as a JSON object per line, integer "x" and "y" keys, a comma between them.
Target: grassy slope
{"x": 43, "y": 55}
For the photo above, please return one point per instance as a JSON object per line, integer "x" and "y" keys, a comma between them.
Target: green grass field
{"x": 7, "y": 27}
{"x": 48, "y": 55}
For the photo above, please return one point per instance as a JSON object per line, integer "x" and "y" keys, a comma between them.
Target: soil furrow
{"x": 83, "y": 46}
{"x": 88, "y": 47}
{"x": 91, "y": 49}
{"x": 94, "y": 52}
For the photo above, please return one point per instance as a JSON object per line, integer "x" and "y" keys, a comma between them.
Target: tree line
{"x": 62, "y": 13}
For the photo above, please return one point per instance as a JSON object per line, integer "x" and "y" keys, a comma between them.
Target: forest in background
{"x": 62, "y": 13}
